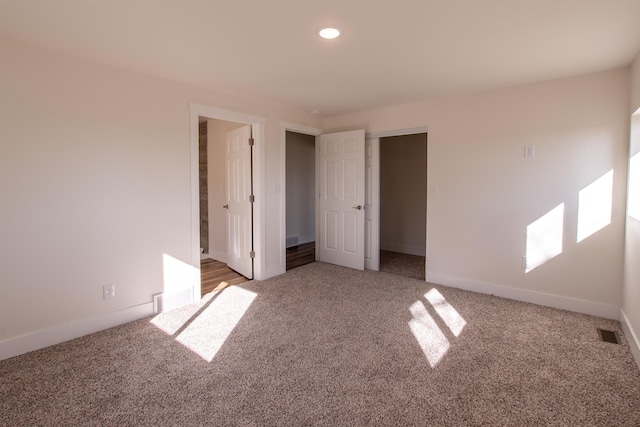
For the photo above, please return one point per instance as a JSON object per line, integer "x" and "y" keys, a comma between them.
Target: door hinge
{"x": 252, "y": 141}
{"x": 252, "y": 199}
{"x": 252, "y": 254}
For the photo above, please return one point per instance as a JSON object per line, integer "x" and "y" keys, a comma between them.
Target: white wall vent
{"x": 169, "y": 300}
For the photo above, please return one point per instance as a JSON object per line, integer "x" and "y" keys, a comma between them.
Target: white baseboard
{"x": 218, "y": 256}
{"x": 404, "y": 249}
{"x": 307, "y": 238}
{"x": 57, "y": 334}
{"x": 273, "y": 272}
{"x": 302, "y": 239}
{"x": 632, "y": 338}
{"x": 549, "y": 300}
{"x": 169, "y": 300}
{"x": 204, "y": 255}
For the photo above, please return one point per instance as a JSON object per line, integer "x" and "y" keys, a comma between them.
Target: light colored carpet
{"x": 325, "y": 345}
{"x": 402, "y": 264}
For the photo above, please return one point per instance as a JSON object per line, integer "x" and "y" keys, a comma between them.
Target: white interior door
{"x": 341, "y": 198}
{"x": 372, "y": 205}
{"x": 239, "y": 205}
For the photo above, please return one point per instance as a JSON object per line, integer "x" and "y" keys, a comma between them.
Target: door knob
{"x": 359, "y": 207}
{"x": 226, "y": 206}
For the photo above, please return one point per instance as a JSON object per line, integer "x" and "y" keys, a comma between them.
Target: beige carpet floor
{"x": 325, "y": 345}
{"x": 402, "y": 264}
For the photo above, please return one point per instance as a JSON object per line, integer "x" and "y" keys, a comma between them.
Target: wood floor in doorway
{"x": 301, "y": 255}
{"x": 215, "y": 275}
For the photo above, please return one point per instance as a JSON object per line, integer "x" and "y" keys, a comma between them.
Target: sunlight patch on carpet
{"x": 204, "y": 328}
{"x": 432, "y": 341}
{"x": 449, "y": 315}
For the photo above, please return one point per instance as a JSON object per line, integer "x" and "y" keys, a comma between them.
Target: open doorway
{"x": 213, "y": 184}
{"x": 403, "y": 206}
{"x": 255, "y": 176}
{"x": 300, "y": 199}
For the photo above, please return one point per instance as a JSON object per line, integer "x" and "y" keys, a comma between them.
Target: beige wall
{"x": 95, "y": 185}
{"x": 403, "y": 194}
{"x": 631, "y": 292}
{"x": 489, "y": 193}
{"x": 301, "y": 181}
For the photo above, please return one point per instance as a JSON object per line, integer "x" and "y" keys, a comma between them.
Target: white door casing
{"x": 341, "y": 195}
{"x": 239, "y": 206}
{"x": 372, "y": 205}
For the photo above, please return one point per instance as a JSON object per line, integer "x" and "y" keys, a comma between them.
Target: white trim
{"x": 227, "y": 115}
{"x": 397, "y": 132}
{"x": 317, "y": 196}
{"x": 632, "y": 337}
{"x": 372, "y": 211}
{"x": 258, "y": 126}
{"x": 259, "y": 190}
{"x": 281, "y": 268}
{"x": 218, "y": 256}
{"x": 404, "y": 249}
{"x": 426, "y": 231}
{"x": 306, "y": 238}
{"x": 306, "y": 130}
{"x": 169, "y": 300}
{"x": 194, "y": 145}
{"x": 57, "y": 334}
{"x": 555, "y": 301}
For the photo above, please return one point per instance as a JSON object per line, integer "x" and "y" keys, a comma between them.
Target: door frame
{"x": 258, "y": 129}
{"x": 376, "y": 159}
{"x": 305, "y": 130}
{"x": 372, "y": 203}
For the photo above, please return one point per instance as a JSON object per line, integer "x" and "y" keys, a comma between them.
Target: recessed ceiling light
{"x": 329, "y": 33}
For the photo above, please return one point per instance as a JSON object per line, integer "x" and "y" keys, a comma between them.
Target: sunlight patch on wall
{"x": 432, "y": 341}
{"x": 633, "y": 200}
{"x": 544, "y": 238}
{"x": 449, "y": 315}
{"x": 177, "y": 274}
{"x": 203, "y": 328}
{"x": 181, "y": 284}
{"x": 594, "y": 206}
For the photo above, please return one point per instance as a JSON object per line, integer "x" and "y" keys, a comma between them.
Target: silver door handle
{"x": 359, "y": 207}
{"x": 226, "y": 206}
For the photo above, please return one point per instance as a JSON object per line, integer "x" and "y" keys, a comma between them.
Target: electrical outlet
{"x": 529, "y": 151}
{"x": 524, "y": 262}
{"x": 109, "y": 291}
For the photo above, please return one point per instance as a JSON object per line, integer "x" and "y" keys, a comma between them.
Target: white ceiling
{"x": 391, "y": 52}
